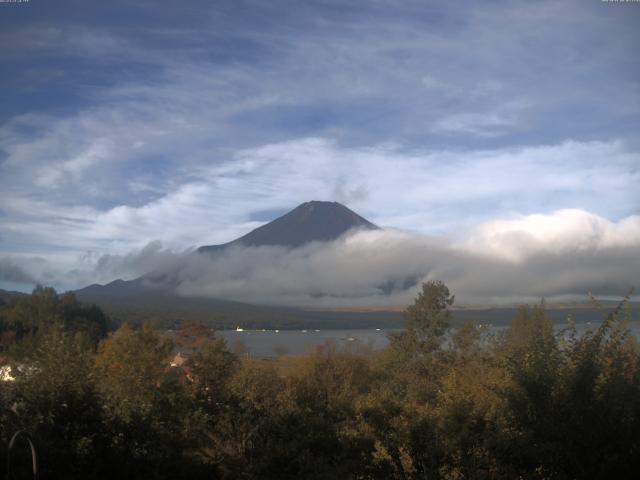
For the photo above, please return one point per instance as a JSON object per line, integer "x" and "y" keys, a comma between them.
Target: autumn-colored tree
{"x": 144, "y": 407}
{"x": 193, "y": 335}
{"x": 440, "y": 402}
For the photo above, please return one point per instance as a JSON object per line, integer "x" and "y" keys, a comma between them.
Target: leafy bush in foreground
{"x": 463, "y": 404}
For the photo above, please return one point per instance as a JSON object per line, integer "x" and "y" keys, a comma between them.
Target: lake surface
{"x": 271, "y": 343}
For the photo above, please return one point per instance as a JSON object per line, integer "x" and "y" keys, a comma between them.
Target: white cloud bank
{"x": 563, "y": 255}
{"x": 563, "y": 232}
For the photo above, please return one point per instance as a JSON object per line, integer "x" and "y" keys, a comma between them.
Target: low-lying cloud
{"x": 12, "y": 271}
{"x": 564, "y": 255}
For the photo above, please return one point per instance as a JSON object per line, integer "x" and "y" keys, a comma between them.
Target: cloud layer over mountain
{"x": 559, "y": 256}
{"x": 193, "y": 124}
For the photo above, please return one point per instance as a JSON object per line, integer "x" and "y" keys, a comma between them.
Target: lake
{"x": 271, "y": 343}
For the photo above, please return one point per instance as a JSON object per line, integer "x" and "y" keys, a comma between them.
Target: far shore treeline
{"x": 104, "y": 399}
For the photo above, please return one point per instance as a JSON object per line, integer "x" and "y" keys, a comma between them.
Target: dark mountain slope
{"x": 309, "y": 222}
{"x": 7, "y": 296}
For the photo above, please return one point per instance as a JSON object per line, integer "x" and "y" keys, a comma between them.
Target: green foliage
{"x": 440, "y": 403}
{"x": 25, "y": 316}
{"x": 572, "y": 408}
{"x": 143, "y": 404}
{"x": 429, "y": 317}
{"x": 416, "y": 356}
{"x": 53, "y": 397}
{"x": 213, "y": 367}
{"x": 240, "y": 442}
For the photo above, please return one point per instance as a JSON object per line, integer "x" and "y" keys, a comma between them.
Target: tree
{"x": 55, "y": 399}
{"x": 144, "y": 407}
{"x": 240, "y": 442}
{"x": 571, "y": 406}
{"x": 416, "y": 356}
{"x": 212, "y": 368}
{"x": 428, "y": 318}
{"x": 412, "y": 371}
{"x": 44, "y": 307}
{"x": 193, "y": 335}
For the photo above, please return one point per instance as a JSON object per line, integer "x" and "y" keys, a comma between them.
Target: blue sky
{"x": 192, "y": 122}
